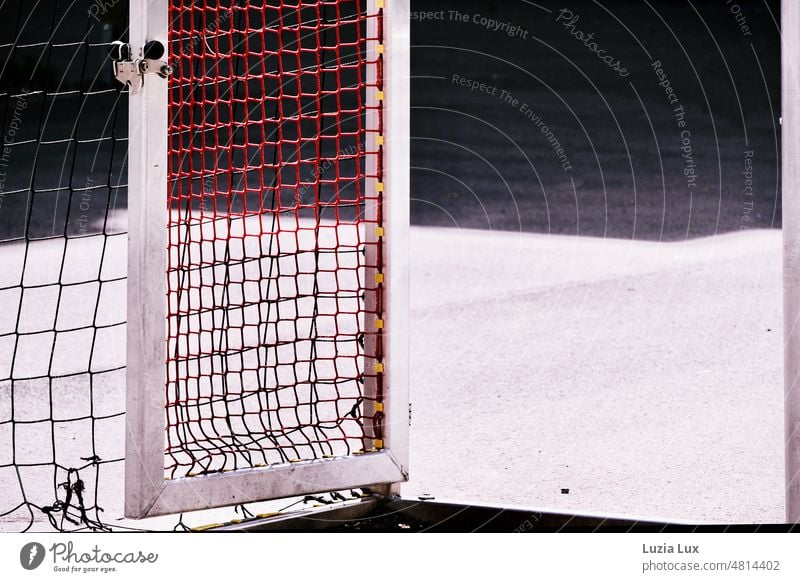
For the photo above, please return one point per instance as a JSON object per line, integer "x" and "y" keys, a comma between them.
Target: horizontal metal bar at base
{"x": 291, "y": 479}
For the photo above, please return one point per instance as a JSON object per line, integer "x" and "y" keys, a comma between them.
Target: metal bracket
{"x": 131, "y": 72}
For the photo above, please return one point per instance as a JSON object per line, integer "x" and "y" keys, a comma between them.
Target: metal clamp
{"x": 131, "y": 72}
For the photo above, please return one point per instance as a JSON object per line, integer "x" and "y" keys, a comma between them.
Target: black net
{"x": 62, "y": 250}
{"x": 63, "y": 196}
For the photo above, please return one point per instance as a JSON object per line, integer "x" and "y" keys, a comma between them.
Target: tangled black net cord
{"x": 73, "y": 508}
{"x": 74, "y": 488}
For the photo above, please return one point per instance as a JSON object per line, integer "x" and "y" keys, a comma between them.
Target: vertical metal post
{"x": 147, "y": 279}
{"x": 397, "y": 109}
{"x": 790, "y": 39}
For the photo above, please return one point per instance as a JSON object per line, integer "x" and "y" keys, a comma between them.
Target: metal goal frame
{"x": 790, "y": 184}
{"x": 147, "y": 491}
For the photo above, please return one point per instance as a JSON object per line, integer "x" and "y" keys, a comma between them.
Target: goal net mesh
{"x": 274, "y": 197}
{"x": 273, "y": 210}
{"x": 62, "y": 266}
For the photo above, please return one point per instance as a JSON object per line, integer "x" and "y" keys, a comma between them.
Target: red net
{"x": 274, "y": 248}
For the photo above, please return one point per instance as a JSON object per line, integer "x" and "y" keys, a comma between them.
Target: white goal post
{"x": 236, "y": 471}
{"x": 790, "y": 177}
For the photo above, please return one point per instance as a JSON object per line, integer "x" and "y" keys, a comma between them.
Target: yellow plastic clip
{"x": 379, "y": 95}
{"x": 378, "y": 443}
{"x": 378, "y": 3}
{"x": 207, "y": 527}
{"x": 379, "y": 187}
{"x": 379, "y": 368}
{"x": 379, "y": 407}
{"x": 379, "y": 49}
{"x": 379, "y": 232}
{"x": 378, "y": 324}
{"x": 379, "y": 277}
{"x": 267, "y": 515}
{"x": 379, "y": 140}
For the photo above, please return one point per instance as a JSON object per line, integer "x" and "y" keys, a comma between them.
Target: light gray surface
{"x": 644, "y": 377}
